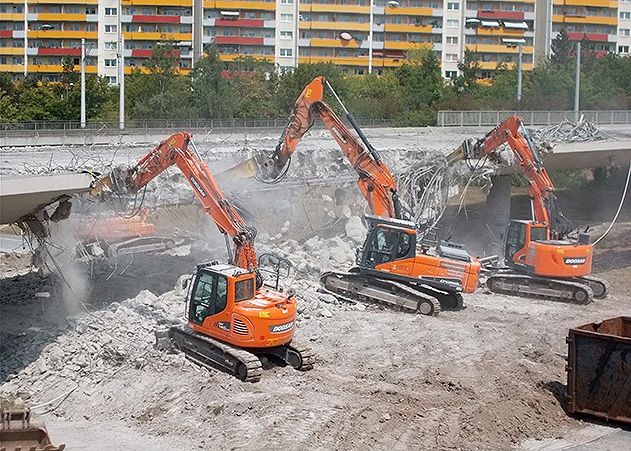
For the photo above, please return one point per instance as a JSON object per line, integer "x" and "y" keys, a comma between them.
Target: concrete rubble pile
{"x": 568, "y": 132}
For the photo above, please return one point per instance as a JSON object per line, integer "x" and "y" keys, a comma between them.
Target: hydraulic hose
{"x": 624, "y": 194}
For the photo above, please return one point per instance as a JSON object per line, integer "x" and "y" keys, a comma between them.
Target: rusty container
{"x": 599, "y": 369}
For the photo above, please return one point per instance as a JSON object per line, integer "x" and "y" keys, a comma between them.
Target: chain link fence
{"x": 478, "y": 118}
{"x": 17, "y": 129}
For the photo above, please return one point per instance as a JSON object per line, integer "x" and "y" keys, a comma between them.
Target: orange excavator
{"x": 392, "y": 267}
{"x": 541, "y": 258}
{"x": 232, "y": 317}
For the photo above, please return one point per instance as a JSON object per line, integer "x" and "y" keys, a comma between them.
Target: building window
{"x": 626, "y": 15}
{"x": 623, "y": 49}
{"x": 285, "y": 17}
{"x": 110, "y": 11}
{"x": 451, "y": 57}
{"x": 110, "y": 29}
{"x": 110, "y": 63}
{"x": 286, "y": 34}
{"x": 286, "y": 52}
{"x": 452, "y": 23}
{"x": 111, "y": 45}
{"x": 452, "y": 39}
{"x": 287, "y": 2}
{"x": 625, "y": 32}
{"x": 111, "y": 79}
{"x": 453, "y": 6}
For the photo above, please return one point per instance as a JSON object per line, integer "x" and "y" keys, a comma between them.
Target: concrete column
{"x": 498, "y": 211}
{"x": 198, "y": 30}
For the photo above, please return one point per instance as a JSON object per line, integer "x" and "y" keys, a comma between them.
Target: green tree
{"x": 562, "y": 48}
{"x": 212, "y": 95}
{"x": 373, "y": 96}
{"x": 469, "y": 71}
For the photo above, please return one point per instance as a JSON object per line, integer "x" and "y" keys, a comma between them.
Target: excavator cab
{"x": 387, "y": 242}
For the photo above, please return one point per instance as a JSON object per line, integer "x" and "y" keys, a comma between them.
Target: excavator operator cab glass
{"x": 244, "y": 289}
{"x": 209, "y": 296}
{"x": 385, "y": 245}
{"x": 538, "y": 233}
{"x": 515, "y": 239}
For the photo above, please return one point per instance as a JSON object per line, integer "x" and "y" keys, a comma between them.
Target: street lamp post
{"x": 519, "y": 58}
{"x": 370, "y": 36}
{"x": 577, "y": 81}
{"x": 83, "y": 83}
{"x": 25, "y": 38}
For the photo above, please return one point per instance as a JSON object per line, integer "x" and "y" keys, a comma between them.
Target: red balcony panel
{"x": 258, "y": 23}
{"x": 61, "y": 51}
{"x": 6, "y": 33}
{"x": 155, "y": 19}
{"x": 250, "y": 40}
{"x": 511, "y": 15}
{"x": 146, "y": 53}
{"x": 578, "y": 36}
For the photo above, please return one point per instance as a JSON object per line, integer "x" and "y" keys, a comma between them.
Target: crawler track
{"x": 540, "y": 287}
{"x": 356, "y": 287}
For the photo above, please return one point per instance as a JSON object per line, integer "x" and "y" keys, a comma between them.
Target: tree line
{"x": 410, "y": 95}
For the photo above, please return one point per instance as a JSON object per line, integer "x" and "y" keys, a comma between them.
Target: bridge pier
{"x": 498, "y": 212}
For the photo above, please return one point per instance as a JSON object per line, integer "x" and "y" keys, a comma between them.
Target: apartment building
{"x": 360, "y": 37}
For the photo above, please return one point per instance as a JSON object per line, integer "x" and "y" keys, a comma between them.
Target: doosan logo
{"x": 280, "y": 328}
{"x": 575, "y": 261}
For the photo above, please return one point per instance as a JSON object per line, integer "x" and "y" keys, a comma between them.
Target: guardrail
{"x": 16, "y": 129}
{"x": 476, "y": 118}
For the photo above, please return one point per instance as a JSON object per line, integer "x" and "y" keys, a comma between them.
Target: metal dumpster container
{"x": 599, "y": 369}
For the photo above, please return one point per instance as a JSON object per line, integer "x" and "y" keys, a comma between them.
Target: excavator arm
{"x": 376, "y": 182}
{"x": 179, "y": 150}
{"x": 541, "y": 189}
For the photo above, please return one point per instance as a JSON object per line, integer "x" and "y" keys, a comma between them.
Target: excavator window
{"x": 387, "y": 245}
{"x": 515, "y": 239}
{"x": 243, "y": 290}
{"x": 538, "y": 234}
{"x": 209, "y": 296}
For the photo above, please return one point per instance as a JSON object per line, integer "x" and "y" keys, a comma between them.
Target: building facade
{"x": 360, "y": 37}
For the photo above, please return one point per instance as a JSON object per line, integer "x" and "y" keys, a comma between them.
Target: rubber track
{"x": 355, "y": 300}
{"x": 598, "y": 280}
{"x": 525, "y": 277}
{"x": 249, "y": 360}
{"x": 306, "y": 354}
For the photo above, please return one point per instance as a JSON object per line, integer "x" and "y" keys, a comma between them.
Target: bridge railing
{"x": 66, "y": 127}
{"x": 486, "y": 118}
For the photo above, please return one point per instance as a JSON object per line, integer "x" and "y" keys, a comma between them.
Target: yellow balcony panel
{"x": 590, "y": 3}
{"x": 59, "y": 34}
{"x": 11, "y": 51}
{"x": 399, "y": 45}
{"x": 334, "y": 43}
{"x": 558, "y": 18}
{"x": 492, "y": 65}
{"x": 234, "y": 56}
{"x": 389, "y": 62}
{"x": 185, "y": 3}
{"x": 63, "y": 2}
{"x": 331, "y": 8}
{"x": 13, "y": 17}
{"x": 56, "y": 68}
{"x": 62, "y": 17}
{"x": 409, "y": 11}
{"x": 231, "y": 6}
{"x": 497, "y": 48}
{"x": 500, "y": 32}
{"x": 341, "y": 26}
{"x": 407, "y": 28}
{"x": 156, "y": 36}
{"x": 342, "y": 61}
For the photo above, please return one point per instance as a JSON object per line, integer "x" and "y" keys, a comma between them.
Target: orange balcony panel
{"x": 500, "y": 32}
{"x": 13, "y": 17}
{"x": 492, "y": 65}
{"x": 558, "y": 18}
{"x": 233, "y": 6}
{"x": 234, "y": 56}
{"x": 11, "y": 51}
{"x": 590, "y": 3}
{"x": 56, "y": 68}
{"x": 343, "y": 61}
{"x": 341, "y": 26}
{"x": 399, "y": 45}
{"x": 59, "y": 34}
{"x": 331, "y": 8}
{"x": 156, "y": 36}
{"x": 409, "y": 11}
{"x": 63, "y": 2}
{"x": 182, "y": 3}
{"x": 407, "y": 28}
{"x": 497, "y": 48}
{"x": 62, "y": 17}
{"x": 334, "y": 43}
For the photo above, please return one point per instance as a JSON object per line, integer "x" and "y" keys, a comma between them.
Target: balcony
{"x": 594, "y": 37}
{"x": 409, "y": 12}
{"x": 407, "y": 28}
{"x": 338, "y": 26}
{"x": 245, "y": 40}
{"x": 353, "y": 43}
{"x": 249, "y": 23}
{"x": 600, "y": 20}
{"x": 181, "y": 3}
{"x": 156, "y": 36}
{"x": 494, "y": 14}
{"x": 229, "y": 5}
{"x": 328, "y": 8}
{"x": 59, "y": 51}
{"x": 60, "y": 17}
{"x": 590, "y": 3}
{"x": 492, "y": 65}
{"x": 11, "y": 51}
{"x": 497, "y": 48}
{"x": 155, "y": 19}
{"x": 234, "y": 56}
{"x": 400, "y": 45}
{"x": 61, "y": 34}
